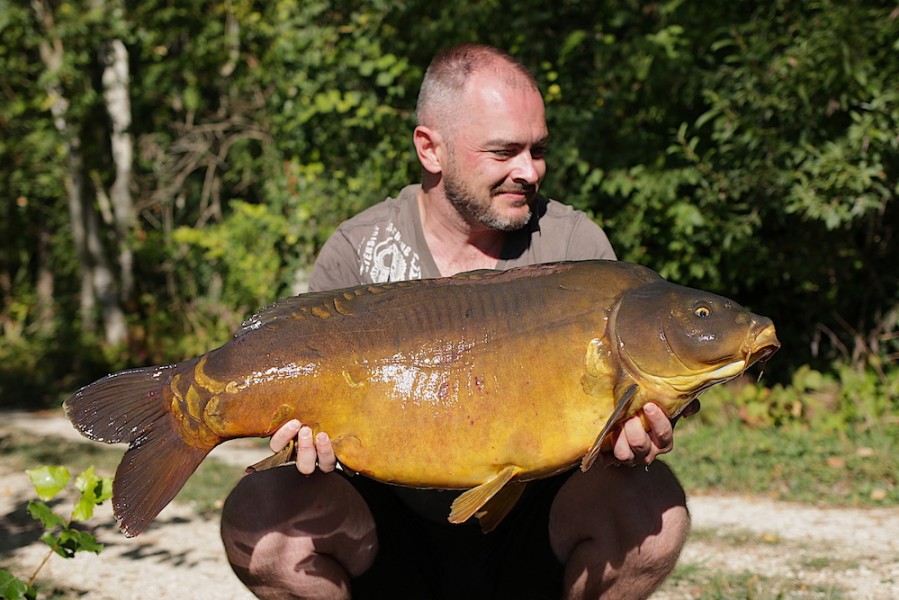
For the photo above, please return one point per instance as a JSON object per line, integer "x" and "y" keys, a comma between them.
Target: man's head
{"x": 482, "y": 135}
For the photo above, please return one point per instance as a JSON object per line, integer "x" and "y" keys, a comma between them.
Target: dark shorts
{"x": 432, "y": 559}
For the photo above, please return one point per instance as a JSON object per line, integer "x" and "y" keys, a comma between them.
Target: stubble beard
{"x": 477, "y": 210}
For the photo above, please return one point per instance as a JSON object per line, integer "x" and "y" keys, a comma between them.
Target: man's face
{"x": 496, "y": 153}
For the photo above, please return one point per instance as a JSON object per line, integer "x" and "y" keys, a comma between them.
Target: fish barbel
{"x": 478, "y": 381}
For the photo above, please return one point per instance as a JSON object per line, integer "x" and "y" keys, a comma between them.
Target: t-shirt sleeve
{"x": 337, "y": 265}
{"x": 588, "y": 241}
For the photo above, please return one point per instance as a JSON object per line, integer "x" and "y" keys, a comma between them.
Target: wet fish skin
{"x": 478, "y": 381}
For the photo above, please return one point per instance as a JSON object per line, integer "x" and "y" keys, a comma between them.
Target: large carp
{"x": 481, "y": 380}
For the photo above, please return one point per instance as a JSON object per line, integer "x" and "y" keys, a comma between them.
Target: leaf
{"x": 13, "y": 588}
{"x": 55, "y": 544}
{"x": 79, "y": 541}
{"x": 43, "y": 513}
{"x": 94, "y": 490}
{"x": 49, "y": 481}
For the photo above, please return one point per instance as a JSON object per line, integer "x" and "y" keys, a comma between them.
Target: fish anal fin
{"x": 496, "y": 509}
{"x": 621, "y": 408}
{"x": 469, "y": 503}
{"x": 286, "y": 455}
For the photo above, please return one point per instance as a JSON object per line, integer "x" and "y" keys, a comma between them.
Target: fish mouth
{"x": 762, "y": 345}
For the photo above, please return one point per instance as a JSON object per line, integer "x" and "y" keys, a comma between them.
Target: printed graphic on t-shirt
{"x": 386, "y": 257}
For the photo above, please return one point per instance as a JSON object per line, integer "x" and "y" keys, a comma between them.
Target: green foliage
{"x": 826, "y": 437}
{"x": 702, "y": 582}
{"x": 843, "y": 401}
{"x": 749, "y": 149}
{"x": 242, "y": 250}
{"x": 856, "y": 467}
{"x": 60, "y": 533}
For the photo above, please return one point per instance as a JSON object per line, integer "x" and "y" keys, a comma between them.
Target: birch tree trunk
{"x": 118, "y": 105}
{"x": 96, "y": 278}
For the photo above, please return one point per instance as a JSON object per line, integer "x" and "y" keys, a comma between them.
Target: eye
{"x": 702, "y": 311}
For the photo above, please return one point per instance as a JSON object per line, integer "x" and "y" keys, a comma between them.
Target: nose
{"x": 528, "y": 169}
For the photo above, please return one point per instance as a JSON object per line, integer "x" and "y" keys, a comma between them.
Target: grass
{"x": 822, "y": 468}
{"x": 698, "y": 580}
{"x": 698, "y": 583}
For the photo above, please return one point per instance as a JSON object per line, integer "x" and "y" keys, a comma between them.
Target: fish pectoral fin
{"x": 282, "y": 457}
{"x": 496, "y": 509}
{"x": 469, "y": 503}
{"x": 620, "y": 409}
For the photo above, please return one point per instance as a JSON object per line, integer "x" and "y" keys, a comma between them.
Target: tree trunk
{"x": 96, "y": 279}
{"x": 118, "y": 106}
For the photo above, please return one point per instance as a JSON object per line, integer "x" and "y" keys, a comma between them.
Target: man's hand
{"x": 634, "y": 446}
{"x": 310, "y": 453}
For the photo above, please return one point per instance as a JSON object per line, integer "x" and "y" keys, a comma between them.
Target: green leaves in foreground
{"x": 59, "y": 533}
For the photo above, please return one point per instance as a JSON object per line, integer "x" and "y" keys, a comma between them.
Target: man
{"x": 612, "y": 532}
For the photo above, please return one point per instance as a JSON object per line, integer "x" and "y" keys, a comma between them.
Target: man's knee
{"x": 287, "y": 535}
{"x": 619, "y": 527}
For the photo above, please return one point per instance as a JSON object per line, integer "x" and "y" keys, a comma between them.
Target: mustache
{"x": 515, "y": 188}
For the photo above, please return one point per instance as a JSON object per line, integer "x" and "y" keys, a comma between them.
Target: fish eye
{"x": 702, "y": 311}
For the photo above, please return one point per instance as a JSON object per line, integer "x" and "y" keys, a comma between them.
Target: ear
{"x": 429, "y": 147}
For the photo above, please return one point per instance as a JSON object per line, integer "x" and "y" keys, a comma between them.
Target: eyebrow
{"x": 544, "y": 141}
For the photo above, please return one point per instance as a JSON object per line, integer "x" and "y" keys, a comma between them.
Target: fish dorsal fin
{"x": 620, "y": 409}
{"x": 496, "y": 509}
{"x": 469, "y": 503}
{"x": 288, "y": 307}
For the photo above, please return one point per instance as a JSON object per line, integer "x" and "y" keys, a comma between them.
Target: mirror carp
{"x": 480, "y": 381}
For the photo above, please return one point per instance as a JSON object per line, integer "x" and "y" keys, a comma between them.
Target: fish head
{"x": 678, "y": 341}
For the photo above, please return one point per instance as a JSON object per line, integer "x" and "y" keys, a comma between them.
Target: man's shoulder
{"x": 562, "y": 232}
{"x": 390, "y": 210}
{"x": 379, "y": 244}
{"x": 560, "y": 213}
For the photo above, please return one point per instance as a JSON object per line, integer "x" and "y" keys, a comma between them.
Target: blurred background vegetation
{"x": 167, "y": 168}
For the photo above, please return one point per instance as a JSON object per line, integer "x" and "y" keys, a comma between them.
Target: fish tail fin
{"x": 132, "y": 407}
{"x": 152, "y": 472}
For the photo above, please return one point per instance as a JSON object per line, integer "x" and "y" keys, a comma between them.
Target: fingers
{"x": 327, "y": 460}
{"x": 636, "y": 446}
{"x": 284, "y": 434}
{"x": 633, "y": 444}
{"x": 311, "y": 452}
{"x": 661, "y": 431}
{"x": 306, "y": 453}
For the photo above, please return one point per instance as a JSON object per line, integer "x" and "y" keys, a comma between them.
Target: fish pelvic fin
{"x": 132, "y": 407}
{"x": 621, "y": 409}
{"x": 469, "y": 503}
{"x": 284, "y": 456}
{"x": 496, "y": 509}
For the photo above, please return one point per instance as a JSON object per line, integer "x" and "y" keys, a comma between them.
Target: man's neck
{"x": 455, "y": 244}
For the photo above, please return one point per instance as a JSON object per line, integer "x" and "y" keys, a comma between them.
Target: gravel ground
{"x": 854, "y": 553}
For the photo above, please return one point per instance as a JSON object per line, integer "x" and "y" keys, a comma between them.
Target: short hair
{"x": 450, "y": 70}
